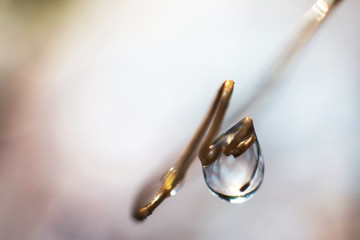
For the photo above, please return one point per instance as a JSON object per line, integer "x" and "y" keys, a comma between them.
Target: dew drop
{"x": 235, "y": 179}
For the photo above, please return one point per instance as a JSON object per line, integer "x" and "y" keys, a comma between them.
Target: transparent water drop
{"x": 235, "y": 178}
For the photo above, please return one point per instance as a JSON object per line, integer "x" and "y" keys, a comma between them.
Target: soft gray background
{"x": 95, "y": 96}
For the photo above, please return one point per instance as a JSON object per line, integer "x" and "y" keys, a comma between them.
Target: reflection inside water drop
{"x": 235, "y": 179}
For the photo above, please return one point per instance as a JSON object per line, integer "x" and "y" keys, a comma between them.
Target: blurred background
{"x": 96, "y": 96}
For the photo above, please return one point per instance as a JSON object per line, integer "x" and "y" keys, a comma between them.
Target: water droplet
{"x": 235, "y": 178}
